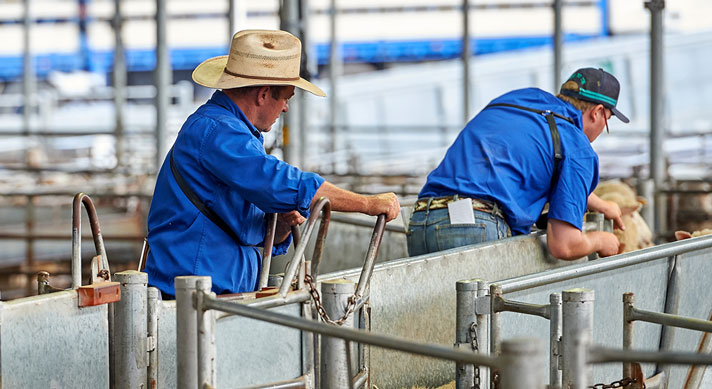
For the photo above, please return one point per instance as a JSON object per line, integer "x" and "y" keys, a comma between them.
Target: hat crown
{"x": 596, "y": 86}
{"x": 264, "y": 54}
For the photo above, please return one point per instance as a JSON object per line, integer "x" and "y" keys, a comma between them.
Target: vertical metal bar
{"x": 466, "y": 55}
{"x": 558, "y": 43}
{"x": 523, "y": 362}
{"x": 555, "y": 325}
{"x": 152, "y": 330}
{"x": 465, "y": 317}
{"x": 657, "y": 90}
{"x": 308, "y": 344}
{"x": 268, "y": 245}
{"x": 309, "y": 69}
{"x": 187, "y": 330}
{"x": 672, "y": 304}
{"x": 483, "y": 333}
{"x": 335, "y": 70}
{"x": 162, "y": 81}
{"x": 207, "y": 351}
{"x": 119, "y": 81}
{"x": 29, "y": 241}
{"x": 289, "y": 21}
{"x": 581, "y": 373}
{"x": 577, "y": 321}
{"x": 335, "y": 295}
{"x": 628, "y": 300}
{"x": 495, "y": 327}
{"x": 237, "y": 17}
{"x": 130, "y": 329}
{"x": 371, "y": 255}
{"x": 29, "y": 80}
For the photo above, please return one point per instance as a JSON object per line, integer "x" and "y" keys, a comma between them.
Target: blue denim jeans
{"x": 430, "y": 231}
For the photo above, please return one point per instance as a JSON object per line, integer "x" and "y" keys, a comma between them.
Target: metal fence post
{"x": 495, "y": 326}
{"x": 577, "y": 321}
{"x": 130, "y": 330}
{"x": 207, "y": 353}
{"x": 334, "y": 363}
{"x": 523, "y": 364}
{"x": 152, "y": 371}
{"x": 465, "y": 317}
{"x": 482, "y": 330}
{"x": 187, "y": 330}
{"x": 628, "y": 301}
{"x": 555, "y": 340}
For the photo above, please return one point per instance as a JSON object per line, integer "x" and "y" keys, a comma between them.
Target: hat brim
{"x": 619, "y": 115}
{"x": 211, "y": 73}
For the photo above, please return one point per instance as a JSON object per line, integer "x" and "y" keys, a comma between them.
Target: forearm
{"x": 341, "y": 199}
{"x": 596, "y": 204}
{"x": 568, "y": 242}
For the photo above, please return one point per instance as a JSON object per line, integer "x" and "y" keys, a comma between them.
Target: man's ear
{"x": 263, "y": 93}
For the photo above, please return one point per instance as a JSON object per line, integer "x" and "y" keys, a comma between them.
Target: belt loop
{"x": 427, "y": 206}
{"x": 455, "y": 197}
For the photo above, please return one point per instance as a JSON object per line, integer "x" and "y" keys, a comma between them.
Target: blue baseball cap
{"x": 596, "y": 86}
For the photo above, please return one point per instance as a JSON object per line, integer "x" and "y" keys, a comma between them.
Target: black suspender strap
{"x": 200, "y": 205}
{"x": 556, "y": 141}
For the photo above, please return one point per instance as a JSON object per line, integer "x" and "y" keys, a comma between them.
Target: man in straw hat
{"x": 525, "y": 149}
{"x": 216, "y": 184}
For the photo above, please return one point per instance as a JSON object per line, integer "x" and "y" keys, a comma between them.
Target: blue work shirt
{"x": 506, "y": 155}
{"x": 221, "y": 156}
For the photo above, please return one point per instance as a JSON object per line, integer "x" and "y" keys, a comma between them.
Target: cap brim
{"x": 210, "y": 73}
{"x": 619, "y": 115}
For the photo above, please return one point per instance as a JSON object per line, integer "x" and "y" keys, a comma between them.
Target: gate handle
{"x": 79, "y": 199}
{"x": 322, "y": 206}
{"x": 365, "y": 278}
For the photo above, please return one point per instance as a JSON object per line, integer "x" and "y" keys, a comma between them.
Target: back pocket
{"x": 457, "y": 235}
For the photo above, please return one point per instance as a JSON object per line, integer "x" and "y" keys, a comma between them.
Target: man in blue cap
{"x": 525, "y": 149}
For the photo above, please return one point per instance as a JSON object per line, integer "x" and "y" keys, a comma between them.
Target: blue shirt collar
{"x": 221, "y": 99}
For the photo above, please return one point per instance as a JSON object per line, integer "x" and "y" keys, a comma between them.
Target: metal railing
{"x": 519, "y": 359}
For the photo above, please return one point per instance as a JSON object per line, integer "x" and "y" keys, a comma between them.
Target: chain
{"x": 320, "y": 307}
{"x": 475, "y": 347}
{"x": 616, "y": 384}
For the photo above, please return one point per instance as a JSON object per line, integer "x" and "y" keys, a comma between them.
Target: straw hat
{"x": 257, "y": 57}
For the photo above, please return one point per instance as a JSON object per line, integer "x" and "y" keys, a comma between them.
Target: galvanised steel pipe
{"x": 324, "y": 206}
{"x": 671, "y": 320}
{"x": 207, "y": 350}
{"x": 628, "y": 300}
{"x": 483, "y": 333}
{"x": 373, "y": 248}
{"x": 79, "y": 199}
{"x": 130, "y": 330}
{"x": 577, "y": 324}
{"x": 501, "y": 304}
{"x": 271, "y": 223}
{"x": 605, "y": 264}
{"x": 354, "y": 335}
{"x": 524, "y": 364}
{"x": 335, "y": 356}
{"x": 555, "y": 329}
{"x": 604, "y": 355}
{"x": 152, "y": 309}
{"x": 465, "y": 318}
{"x": 187, "y": 329}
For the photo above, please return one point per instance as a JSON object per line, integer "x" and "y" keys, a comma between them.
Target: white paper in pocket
{"x": 461, "y": 212}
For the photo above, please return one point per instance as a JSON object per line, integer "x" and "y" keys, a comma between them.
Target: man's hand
{"x": 609, "y": 244}
{"x": 609, "y": 209}
{"x": 384, "y": 203}
{"x": 613, "y": 211}
{"x": 285, "y": 221}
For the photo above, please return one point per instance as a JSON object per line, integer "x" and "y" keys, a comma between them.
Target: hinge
{"x": 150, "y": 344}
